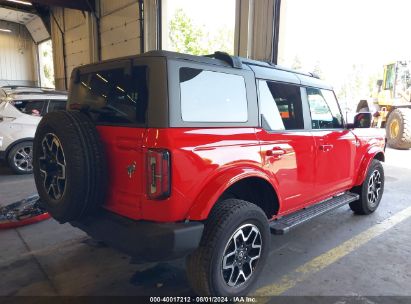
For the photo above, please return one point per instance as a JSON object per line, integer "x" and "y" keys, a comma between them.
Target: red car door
{"x": 287, "y": 147}
{"x": 335, "y": 146}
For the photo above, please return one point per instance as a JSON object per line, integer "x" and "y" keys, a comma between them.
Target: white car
{"x": 21, "y": 109}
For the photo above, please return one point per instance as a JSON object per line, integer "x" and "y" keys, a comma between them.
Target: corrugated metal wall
{"x": 18, "y": 57}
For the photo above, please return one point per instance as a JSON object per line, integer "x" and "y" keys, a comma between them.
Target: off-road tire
{"x": 204, "y": 265}
{"x": 85, "y": 165}
{"x": 363, "y": 206}
{"x": 403, "y": 140}
{"x": 13, "y": 151}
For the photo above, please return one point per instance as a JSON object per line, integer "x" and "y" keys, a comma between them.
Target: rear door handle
{"x": 276, "y": 151}
{"x": 326, "y": 148}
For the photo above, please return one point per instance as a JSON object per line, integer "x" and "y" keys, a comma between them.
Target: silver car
{"x": 21, "y": 109}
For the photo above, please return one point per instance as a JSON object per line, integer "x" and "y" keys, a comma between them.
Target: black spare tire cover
{"x": 69, "y": 165}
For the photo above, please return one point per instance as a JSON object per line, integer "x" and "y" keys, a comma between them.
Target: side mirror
{"x": 361, "y": 120}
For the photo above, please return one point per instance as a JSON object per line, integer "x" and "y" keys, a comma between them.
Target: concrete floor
{"x": 52, "y": 259}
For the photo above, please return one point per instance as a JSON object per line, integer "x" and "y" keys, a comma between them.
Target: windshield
{"x": 403, "y": 80}
{"x": 112, "y": 96}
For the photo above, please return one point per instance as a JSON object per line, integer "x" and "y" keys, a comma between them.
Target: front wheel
{"x": 232, "y": 252}
{"x": 370, "y": 191}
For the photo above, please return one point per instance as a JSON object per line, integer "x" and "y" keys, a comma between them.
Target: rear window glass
{"x": 208, "y": 96}
{"x": 113, "y": 96}
{"x": 30, "y": 107}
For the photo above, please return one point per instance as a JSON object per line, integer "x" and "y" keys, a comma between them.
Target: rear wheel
{"x": 20, "y": 158}
{"x": 398, "y": 129}
{"x": 370, "y": 191}
{"x": 232, "y": 252}
{"x": 69, "y": 165}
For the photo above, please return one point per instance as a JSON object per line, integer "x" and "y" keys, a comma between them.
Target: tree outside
{"x": 46, "y": 64}
{"x": 187, "y": 37}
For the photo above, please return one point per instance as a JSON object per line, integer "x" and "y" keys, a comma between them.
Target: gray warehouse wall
{"x": 78, "y": 35}
{"x": 18, "y": 56}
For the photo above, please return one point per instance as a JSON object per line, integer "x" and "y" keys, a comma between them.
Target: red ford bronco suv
{"x": 165, "y": 155}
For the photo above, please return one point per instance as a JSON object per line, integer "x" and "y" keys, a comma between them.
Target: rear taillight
{"x": 158, "y": 174}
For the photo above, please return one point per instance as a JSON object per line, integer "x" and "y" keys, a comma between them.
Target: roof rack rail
{"x": 282, "y": 68}
{"x": 234, "y": 61}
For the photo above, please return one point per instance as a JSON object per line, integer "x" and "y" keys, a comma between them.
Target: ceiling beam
{"x": 83, "y": 5}
{"x": 18, "y": 7}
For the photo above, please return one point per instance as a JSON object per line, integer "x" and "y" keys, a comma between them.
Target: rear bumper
{"x": 145, "y": 241}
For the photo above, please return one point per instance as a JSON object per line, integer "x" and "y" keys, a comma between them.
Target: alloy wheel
{"x": 374, "y": 188}
{"x": 52, "y": 165}
{"x": 23, "y": 159}
{"x": 241, "y": 255}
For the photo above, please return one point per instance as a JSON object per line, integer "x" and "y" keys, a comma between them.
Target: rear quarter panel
{"x": 202, "y": 161}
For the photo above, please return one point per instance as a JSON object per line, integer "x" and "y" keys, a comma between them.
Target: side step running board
{"x": 286, "y": 223}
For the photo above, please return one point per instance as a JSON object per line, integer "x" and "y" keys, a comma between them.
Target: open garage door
{"x": 119, "y": 28}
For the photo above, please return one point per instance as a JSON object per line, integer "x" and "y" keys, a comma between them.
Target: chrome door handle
{"x": 276, "y": 151}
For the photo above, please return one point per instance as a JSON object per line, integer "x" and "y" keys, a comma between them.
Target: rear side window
{"x": 325, "y": 113}
{"x": 113, "y": 96}
{"x": 30, "y": 107}
{"x": 281, "y": 106}
{"x": 208, "y": 96}
{"x": 56, "y": 105}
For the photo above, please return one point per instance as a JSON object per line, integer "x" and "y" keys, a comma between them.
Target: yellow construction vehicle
{"x": 391, "y": 104}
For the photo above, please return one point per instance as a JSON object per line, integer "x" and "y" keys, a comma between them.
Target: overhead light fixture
{"x": 5, "y": 30}
{"x": 20, "y": 2}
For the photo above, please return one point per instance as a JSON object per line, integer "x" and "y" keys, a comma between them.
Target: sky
{"x": 212, "y": 13}
{"x": 339, "y": 33}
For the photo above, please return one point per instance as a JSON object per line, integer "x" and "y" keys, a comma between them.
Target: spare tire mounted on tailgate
{"x": 69, "y": 165}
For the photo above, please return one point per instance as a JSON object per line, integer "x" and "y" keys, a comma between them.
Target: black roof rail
{"x": 42, "y": 92}
{"x": 13, "y": 87}
{"x": 234, "y": 61}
